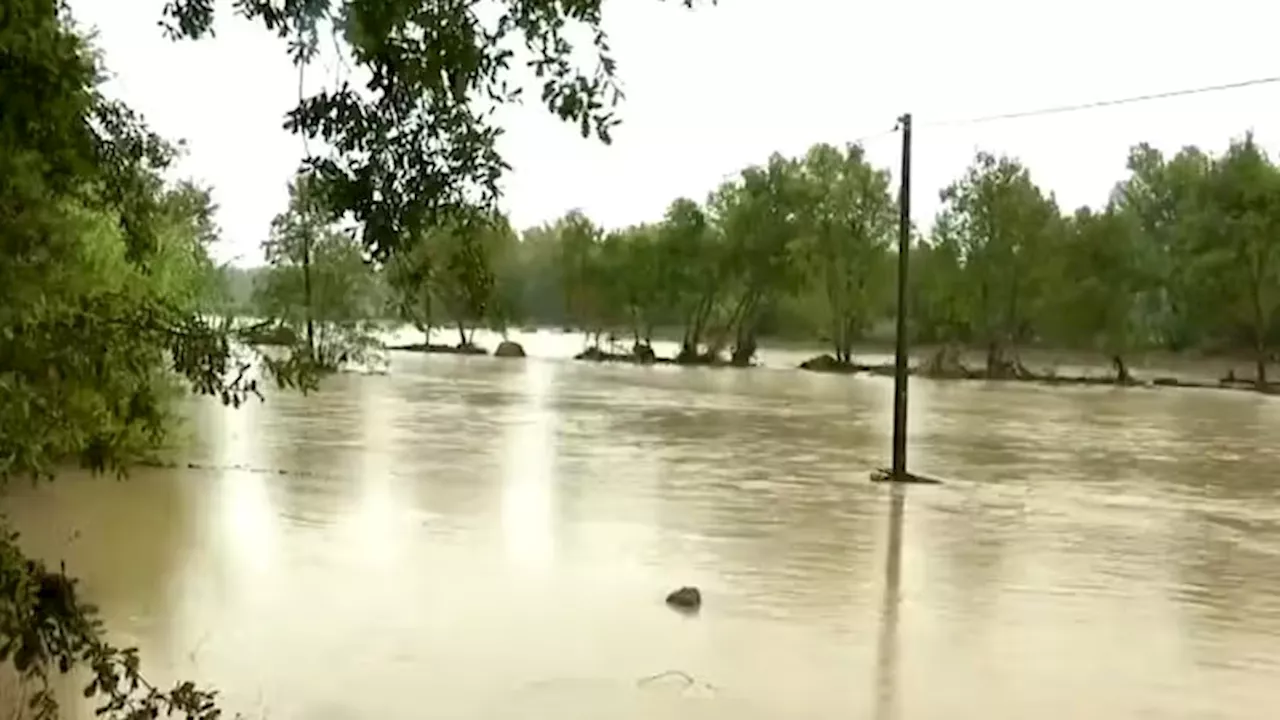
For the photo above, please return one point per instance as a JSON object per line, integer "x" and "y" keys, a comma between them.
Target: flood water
{"x": 483, "y": 538}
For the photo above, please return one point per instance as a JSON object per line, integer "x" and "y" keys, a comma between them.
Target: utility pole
{"x": 900, "y": 351}
{"x": 306, "y": 288}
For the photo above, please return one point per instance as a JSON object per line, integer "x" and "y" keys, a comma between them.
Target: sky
{"x": 717, "y": 89}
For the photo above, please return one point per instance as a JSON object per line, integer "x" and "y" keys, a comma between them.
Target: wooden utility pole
{"x": 900, "y": 351}
{"x": 306, "y": 289}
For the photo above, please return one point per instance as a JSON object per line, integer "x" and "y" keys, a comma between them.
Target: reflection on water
{"x": 887, "y": 647}
{"x": 475, "y": 538}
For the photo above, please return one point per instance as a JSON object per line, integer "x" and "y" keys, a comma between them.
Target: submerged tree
{"x": 759, "y": 215}
{"x": 1004, "y": 225}
{"x": 849, "y": 223}
{"x": 318, "y": 284}
{"x": 1241, "y": 243}
{"x": 1097, "y": 301}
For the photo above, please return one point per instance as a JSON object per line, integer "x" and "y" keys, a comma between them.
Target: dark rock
{"x": 686, "y": 598}
{"x": 509, "y": 349}
{"x": 829, "y": 364}
{"x": 593, "y": 354}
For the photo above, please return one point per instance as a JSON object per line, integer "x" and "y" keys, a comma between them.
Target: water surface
{"x": 482, "y": 538}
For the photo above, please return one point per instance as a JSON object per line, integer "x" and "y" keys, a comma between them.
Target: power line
{"x": 1102, "y": 103}
{"x": 874, "y": 136}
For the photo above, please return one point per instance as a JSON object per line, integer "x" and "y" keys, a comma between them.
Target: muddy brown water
{"x": 481, "y": 538}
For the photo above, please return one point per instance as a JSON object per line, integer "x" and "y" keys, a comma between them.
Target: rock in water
{"x": 686, "y": 598}
{"x": 509, "y": 349}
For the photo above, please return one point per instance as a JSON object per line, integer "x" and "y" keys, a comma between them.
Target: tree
{"x": 940, "y": 300}
{"x": 318, "y": 283}
{"x": 1003, "y": 224}
{"x": 1241, "y": 242}
{"x": 103, "y": 269}
{"x": 409, "y": 277}
{"x": 583, "y": 286}
{"x": 850, "y": 219}
{"x": 462, "y": 276}
{"x": 759, "y": 219}
{"x": 451, "y": 273}
{"x": 540, "y": 277}
{"x": 1102, "y": 283}
{"x": 1162, "y": 196}
{"x": 417, "y": 143}
{"x": 693, "y": 268}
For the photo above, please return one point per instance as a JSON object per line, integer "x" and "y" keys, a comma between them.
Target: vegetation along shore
{"x": 1183, "y": 258}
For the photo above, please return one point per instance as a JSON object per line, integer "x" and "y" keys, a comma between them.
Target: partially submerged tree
{"x": 759, "y": 215}
{"x": 1241, "y": 243}
{"x": 850, "y": 220}
{"x": 1096, "y": 304}
{"x": 318, "y": 284}
{"x": 1004, "y": 226}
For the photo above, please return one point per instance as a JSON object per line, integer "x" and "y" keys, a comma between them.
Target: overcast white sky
{"x": 720, "y": 88}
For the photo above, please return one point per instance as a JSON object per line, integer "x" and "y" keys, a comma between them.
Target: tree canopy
{"x": 1182, "y": 255}
{"x": 417, "y": 141}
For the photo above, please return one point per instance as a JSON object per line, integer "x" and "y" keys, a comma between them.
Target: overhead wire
{"x": 1077, "y": 107}
{"x": 1059, "y": 109}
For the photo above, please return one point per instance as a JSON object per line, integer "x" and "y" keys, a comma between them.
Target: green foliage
{"x": 318, "y": 284}
{"x": 450, "y": 273}
{"x": 107, "y": 289}
{"x": 851, "y": 221}
{"x": 1004, "y": 227}
{"x": 1182, "y": 255}
{"x": 415, "y": 146}
{"x": 104, "y": 281}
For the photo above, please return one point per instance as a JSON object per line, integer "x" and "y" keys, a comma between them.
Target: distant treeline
{"x": 1185, "y": 255}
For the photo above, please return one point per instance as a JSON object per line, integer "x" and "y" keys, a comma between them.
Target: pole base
{"x": 885, "y": 475}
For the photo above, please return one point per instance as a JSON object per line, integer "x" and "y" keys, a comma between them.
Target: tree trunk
{"x": 1260, "y": 327}
{"x": 1122, "y": 370}
{"x": 995, "y": 359}
{"x": 462, "y": 334}
{"x": 744, "y": 350}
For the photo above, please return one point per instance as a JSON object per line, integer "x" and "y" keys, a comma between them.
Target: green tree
{"x": 850, "y": 219}
{"x": 693, "y": 271}
{"x": 585, "y": 289}
{"x": 1005, "y": 226}
{"x": 456, "y": 271}
{"x": 318, "y": 285}
{"x": 758, "y": 216}
{"x": 1240, "y": 239}
{"x": 1163, "y": 196}
{"x": 633, "y": 274}
{"x": 1103, "y": 279}
{"x": 417, "y": 143}
{"x": 103, "y": 270}
{"x": 540, "y": 277}
{"x": 940, "y": 300}
{"x": 409, "y": 276}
